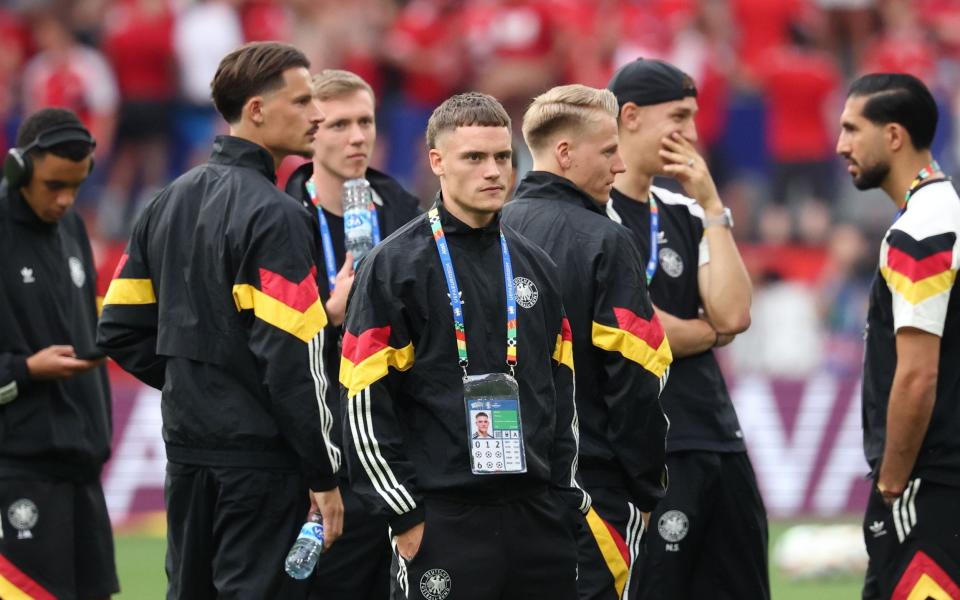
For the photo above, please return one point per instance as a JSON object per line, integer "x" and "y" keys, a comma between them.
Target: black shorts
{"x": 914, "y": 545}
{"x": 357, "y": 566}
{"x": 708, "y": 536}
{"x": 518, "y": 550}
{"x": 608, "y": 544}
{"x": 229, "y": 530}
{"x": 56, "y": 540}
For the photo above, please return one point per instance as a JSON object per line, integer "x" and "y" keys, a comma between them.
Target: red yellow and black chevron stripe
{"x": 641, "y": 340}
{"x": 292, "y": 307}
{"x": 918, "y": 270}
{"x": 367, "y": 358}
{"x": 129, "y": 290}
{"x": 563, "y": 352}
{"x": 613, "y": 548}
{"x": 924, "y": 578}
{"x": 17, "y": 585}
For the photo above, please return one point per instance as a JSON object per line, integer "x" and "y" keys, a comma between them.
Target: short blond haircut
{"x": 465, "y": 110}
{"x": 336, "y": 83}
{"x": 568, "y": 108}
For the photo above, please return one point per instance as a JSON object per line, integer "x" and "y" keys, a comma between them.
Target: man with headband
{"x": 701, "y": 291}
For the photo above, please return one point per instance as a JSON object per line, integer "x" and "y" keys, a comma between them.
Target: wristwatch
{"x": 725, "y": 219}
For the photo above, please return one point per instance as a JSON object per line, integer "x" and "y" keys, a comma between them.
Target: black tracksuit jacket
{"x": 406, "y": 434}
{"x": 57, "y": 428}
{"x": 620, "y": 350}
{"x": 216, "y": 303}
{"x": 396, "y": 208}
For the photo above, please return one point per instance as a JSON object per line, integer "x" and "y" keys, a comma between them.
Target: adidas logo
{"x": 877, "y": 528}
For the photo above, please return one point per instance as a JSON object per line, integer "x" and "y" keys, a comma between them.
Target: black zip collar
{"x": 238, "y": 152}
{"x": 21, "y": 212}
{"x": 548, "y": 186}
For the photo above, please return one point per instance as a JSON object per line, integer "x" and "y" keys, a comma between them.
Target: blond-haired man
{"x": 358, "y": 567}
{"x": 620, "y": 350}
{"x": 452, "y": 316}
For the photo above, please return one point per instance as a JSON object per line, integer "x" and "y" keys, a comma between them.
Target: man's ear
{"x": 897, "y": 137}
{"x": 561, "y": 152}
{"x": 631, "y": 116}
{"x": 253, "y": 110}
{"x": 436, "y": 162}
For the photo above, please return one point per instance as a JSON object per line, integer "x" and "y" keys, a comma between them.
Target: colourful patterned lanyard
{"x": 455, "y": 301}
{"x": 925, "y": 173}
{"x": 329, "y": 258}
{"x": 654, "y": 242}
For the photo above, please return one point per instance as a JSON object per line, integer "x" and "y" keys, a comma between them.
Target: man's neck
{"x": 634, "y": 185}
{"x": 902, "y": 175}
{"x": 329, "y": 189}
{"x": 472, "y": 218}
{"x": 245, "y": 132}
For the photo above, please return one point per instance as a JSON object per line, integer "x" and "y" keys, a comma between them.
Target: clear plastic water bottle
{"x": 303, "y": 556}
{"x": 357, "y": 218}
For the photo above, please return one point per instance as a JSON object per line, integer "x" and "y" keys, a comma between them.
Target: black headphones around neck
{"x": 18, "y": 166}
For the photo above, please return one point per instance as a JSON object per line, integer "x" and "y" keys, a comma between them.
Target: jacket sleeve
{"x": 563, "y": 457}
{"x": 127, "y": 330}
{"x": 376, "y": 348}
{"x": 14, "y": 376}
{"x": 636, "y": 360}
{"x": 275, "y": 288}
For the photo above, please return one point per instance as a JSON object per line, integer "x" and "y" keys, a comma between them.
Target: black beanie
{"x": 646, "y": 82}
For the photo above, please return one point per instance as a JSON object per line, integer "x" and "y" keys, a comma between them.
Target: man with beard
{"x": 359, "y": 566}
{"x": 911, "y": 384}
{"x": 215, "y": 303}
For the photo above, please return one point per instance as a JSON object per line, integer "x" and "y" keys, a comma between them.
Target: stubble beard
{"x": 872, "y": 177}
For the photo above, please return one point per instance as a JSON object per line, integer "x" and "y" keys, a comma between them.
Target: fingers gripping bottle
{"x": 303, "y": 556}
{"x": 358, "y": 226}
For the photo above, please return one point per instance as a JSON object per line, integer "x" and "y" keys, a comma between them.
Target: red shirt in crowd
{"x": 798, "y": 86}
{"x": 138, "y": 42}
{"x": 426, "y": 42}
{"x": 764, "y": 24}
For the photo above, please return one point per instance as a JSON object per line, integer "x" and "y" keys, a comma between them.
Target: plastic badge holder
{"x": 496, "y": 447}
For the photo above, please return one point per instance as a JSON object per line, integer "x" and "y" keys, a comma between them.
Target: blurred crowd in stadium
{"x": 772, "y": 77}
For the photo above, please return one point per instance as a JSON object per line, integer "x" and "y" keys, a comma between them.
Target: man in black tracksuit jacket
{"x": 215, "y": 303}
{"x": 459, "y": 533}
{"x": 620, "y": 349}
{"x": 55, "y": 413}
{"x": 358, "y": 567}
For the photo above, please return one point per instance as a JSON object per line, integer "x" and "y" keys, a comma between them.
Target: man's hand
{"x": 58, "y": 362}
{"x": 890, "y": 492}
{"x": 330, "y": 506}
{"x": 408, "y": 542}
{"x": 336, "y": 306}
{"x": 685, "y": 164}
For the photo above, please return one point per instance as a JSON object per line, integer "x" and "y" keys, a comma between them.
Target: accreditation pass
{"x": 496, "y": 436}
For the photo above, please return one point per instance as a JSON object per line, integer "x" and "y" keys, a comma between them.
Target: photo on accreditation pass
{"x": 496, "y": 438}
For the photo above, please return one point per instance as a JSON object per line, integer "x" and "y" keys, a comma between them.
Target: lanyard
{"x": 454, "y": 290}
{"x": 654, "y": 242}
{"x": 925, "y": 173}
{"x": 329, "y": 258}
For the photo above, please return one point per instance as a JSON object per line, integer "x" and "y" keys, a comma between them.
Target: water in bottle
{"x": 357, "y": 217}
{"x": 303, "y": 556}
